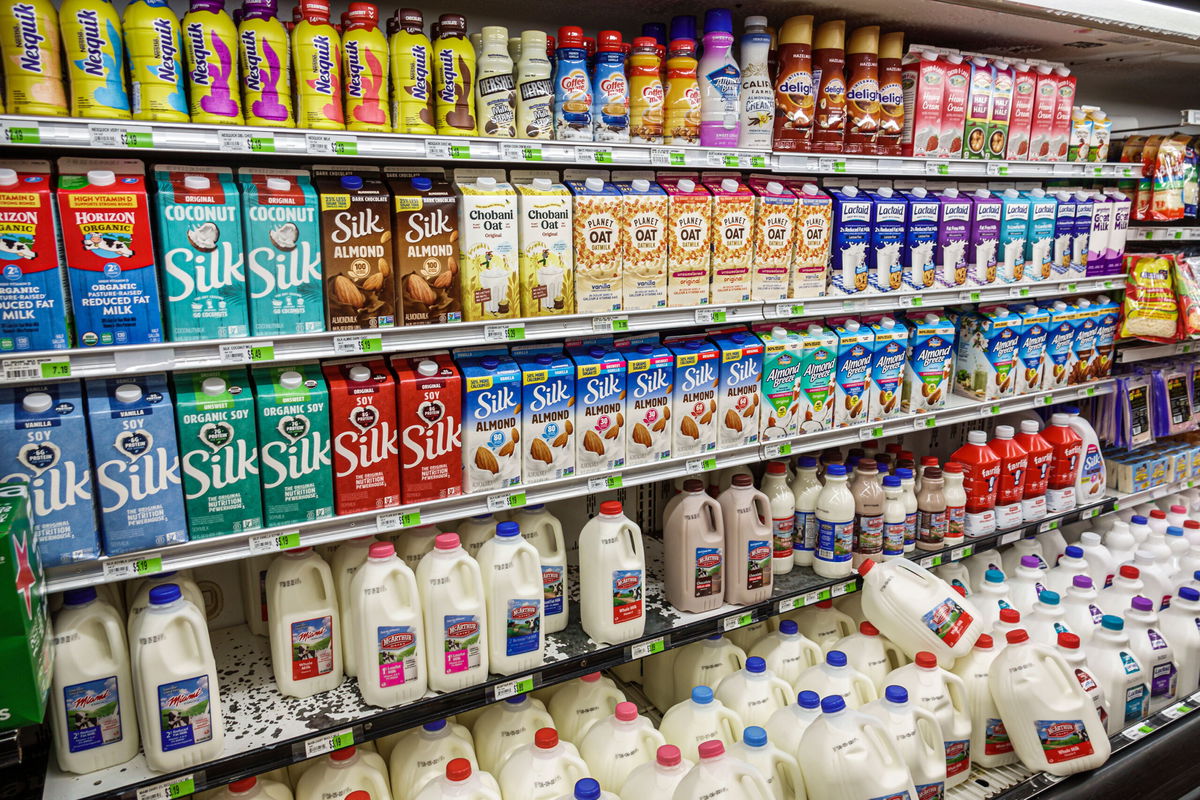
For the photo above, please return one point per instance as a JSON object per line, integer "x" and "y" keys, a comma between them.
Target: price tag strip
{"x": 169, "y": 790}
{"x": 246, "y": 353}
{"x": 327, "y": 743}
{"x": 395, "y": 520}
{"x": 31, "y": 369}
{"x": 514, "y": 687}
{"x": 357, "y": 344}
{"x": 502, "y": 502}
{"x": 739, "y": 621}
{"x": 121, "y": 568}
{"x": 273, "y": 543}
{"x": 694, "y": 465}
{"x": 648, "y": 648}
{"x": 605, "y": 483}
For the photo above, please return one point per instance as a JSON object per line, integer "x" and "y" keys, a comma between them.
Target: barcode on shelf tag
{"x": 937, "y": 167}
{"x": 243, "y": 142}
{"x": 786, "y": 310}
{"x": 395, "y": 520}
{"x": 1135, "y": 732}
{"x": 843, "y": 588}
{"x": 666, "y": 157}
{"x": 501, "y": 502}
{"x": 358, "y": 344}
{"x": 1048, "y": 525}
{"x": 931, "y": 561}
{"x": 778, "y": 450}
{"x": 29, "y": 369}
{"x": 790, "y": 604}
{"x": 441, "y": 149}
{"x": 604, "y": 483}
{"x": 694, "y": 465}
{"x": 593, "y": 155}
{"x": 274, "y": 542}
{"x": 246, "y": 353}
{"x": 610, "y": 324}
{"x": 996, "y": 169}
{"x": 1011, "y": 536}
{"x": 1177, "y": 711}
{"x": 705, "y": 316}
{"x": 870, "y": 432}
{"x": 962, "y": 552}
{"x": 168, "y": 790}
{"x": 924, "y": 422}
{"x": 648, "y": 648}
{"x": 503, "y": 333}
{"x": 510, "y": 151}
{"x": 120, "y": 136}
{"x": 740, "y": 621}
{"x": 752, "y": 161}
{"x": 133, "y": 567}
{"x": 513, "y": 688}
{"x": 328, "y": 743}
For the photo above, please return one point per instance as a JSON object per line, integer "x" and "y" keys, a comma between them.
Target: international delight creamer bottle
{"x": 266, "y": 66}
{"x": 95, "y": 54}
{"x": 29, "y": 46}
{"x": 210, "y": 49}
{"x": 365, "y": 65}
{"x": 412, "y": 74}
{"x": 317, "y": 55}
{"x": 155, "y": 61}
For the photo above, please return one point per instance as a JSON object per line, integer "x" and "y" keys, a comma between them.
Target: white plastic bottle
{"x": 346, "y": 772}
{"x": 780, "y": 770}
{"x": 1181, "y": 626}
{"x": 612, "y": 576}
{"x": 909, "y": 496}
{"x": 706, "y": 663}
{"x": 1010, "y": 620}
{"x": 1025, "y": 583}
{"x": 990, "y": 746}
{"x": 1139, "y": 526}
{"x": 139, "y": 601}
{"x": 754, "y": 693}
{"x": 413, "y": 544}
{"x": 92, "y": 709}
{"x": 783, "y": 516}
{"x": 1047, "y": 619}
{"x": 1126, "y": 585}
{"x": 1069, "y": 650}
{"x": 544, "y": 531}
{"x": 848, "y": 755}
{"x": 757, "y": 91}
{"x": 1029, "y": 546}
{"x": 388, "y": 632}
{"x": 504, "y": 727}
{"x": 917, "y": 737}
{"x": 787, "y": 725}
{"x": 835, "y": 676}
{"x": 956, "y": 503}
{"x": 746, "y": 518}
{"x": 699, "y": 719}
{"x": 1126, "y": 684}
{"x": 512, "y": 588}
{"x": 494, "y": 88}
{"x": 980, "y": 563}
{"x": 787, "y": 652}
{"x": 544, "y": 769}
{"x": 461, "y": 782}
{"x": 423, "y": 755}
{"x": 992, "y": 596}
{"x": 253, "y": 788}
{"x": 1091, "y": 484}
{"x": 1155, "y": 575}
{"x": 306, "y": 630}
{"x": 347, "y": 558}
{"x": 894, "y": 518}
{"x": 943, "y": 693}
{"x": 1072, "y": 562}
{"x": 1081, "y": 607}
{"x": 474, "y": 531}
{"x": 835, "y": 526}
{"x": 582, "y": 703}
{"x": 871, "y": 653}
{"x": 1100, "y": 561}
{"x": 1153, "y": 651}
{"x": 723, "y": 776}
{"x": 174, "y": 677}
{"x": 658, "y": 778}
{"x": 455, "y": 616}
{"x": 618, "y": 744}
{"x": 720, "y": 82}
{"x": 823, "y": 624}
{"x": 535, "y": 90}
{"x": 805, "y": 490}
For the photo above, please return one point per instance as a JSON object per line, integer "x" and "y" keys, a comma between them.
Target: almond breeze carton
{"x": 886, "y": 266}
{"x": 1064, "y": 231}
{"x": 954, "y": 235}
{"x": 986, "y": 210}
{"x": 1039, "y": 245}
{"x": 814, "y": 240}
{"x": 1083, "y": 346}
{"x": 644, "y": 241}
{"x": 732, "y": 237}
{"x": 34, "y": 303}
{"x": 852, "y": 386}
{"x": 987, "y": 353}
{"x": 853, "y": 216}
{"x": 546, "y": 253}
{"x": 930, "y": 364}
{"x": 491, "y": 419}
{"x": 918, "y": 258}
{"x": 1031, "y": 349}
{"x": 599, "y": 222}
{"x": 136, "y": 459}
{"x": 1060, "y": 335}
{"x": 43, "y": 439}
{"x": 1014, "y": 232}
{"x": 888, "y": 360}
{"x": 1108, "y": 315}
{"x": 689, "y": 239}
{"x": 738, "y": 387}
{"x": 547, "y": 409}
{"x": 816, "y": 378}
{"x": 774, "y": 230}
{"x": 649, "y": 378}
{"x": 199, "y": 223}
{"x": 781, "y": 365}
{"x": 488, "y": 244}
{"x": 107, "y": 236}
{"x": 600, "y": 392}
{"x": 694, "y": 401}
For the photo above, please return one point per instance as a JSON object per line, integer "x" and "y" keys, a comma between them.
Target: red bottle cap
{"x": 381, "y": 550}
{"x": 773, "y": 467}
{"x": 825, "y": 604}
{"x": 1158, "y": 513}
{"x": 1129, "y": 571}
{"x": 244, "y": 785}
{"x": 867, "y": 629}
{"x": 610, "y": 507}
{"x": 546, "y": 738}
{"x": 570, "y": 36}
{"x": 1010, "y": 615}
{"x": 344, "y": 754}
{"x": 1068, "y": 640}
{"x": 953, "y": 466}
{"x": 926, "y": 660}
{"x": 458, "y": 769}
{"x": 984, "y": 641}
{"x": 1017, "y": 636}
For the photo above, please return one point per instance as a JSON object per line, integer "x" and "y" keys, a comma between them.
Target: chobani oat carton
{"x": 738, "y": 392}
{"x": 814, "y": 239}
{"x": 773, "y": 238}
{"x": 488, "y": 239}
{"x": 689, "y": 237}
{"x": 545, "y": 234}
{"x": 644, "y": 249}
{"x": 732, "y": 236}
{"x": 694, "y": 400}
{"x": 425, "y": 246}
{"x": 599, "y": 223}
{"x": 649, "y": 378}
{"x": 491, "y": 419}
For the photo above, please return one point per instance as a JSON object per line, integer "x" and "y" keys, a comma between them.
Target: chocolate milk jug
{"x": 794, "y": 90}
{"x": 362, "y": 402}
{"x": 862, "y": 90}
{"x": 425, "y": 253}
{"x": 829, "y": 63}
{"x": 694, "y": 540}
{"x": 746, "y": 517}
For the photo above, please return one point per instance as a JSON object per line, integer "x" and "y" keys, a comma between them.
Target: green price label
{"x": 620, "y": 325}
{"x": 343, "y": 739}
{"x": 410, "y": 519}
{"x": 797, "y": 310}
{"x": 708, "y": 464}
{"x": 657, "y": 646}
{"x": 824, "y": 594}
{"x": 371, "y": 344}
{"x": 614, "y": 482}
{"x": 459, "y": 151}
{"x": 877, "y": 432}
{"x": 995, "y": 409}
{"x": 785, "y": 449}
{"x": 966, "y": 552}
{"x": 730, "y": 161}
{"x": 515, "y": 333}
{"x": 839, "y": 166}
{"x": 1071, "y": 287}
{"x": 23, "y": 135}
{"x": 516, "y": 500}
{"x": 531, "y": 153}
{"x": 918, "y": 302}
{"x": 975, "y": 297}
{"x": 56, "y": 369}
{"x": 262, "y": 144}
{"x": 758, "y": 161}
{"x": 943, "y": 169}
{"x": 849, "y": 586}
{"x": 1002, "y": 171}
{"x": 936, "y": 561}
{"x": 928, "y": 422}
{"x": 182, "y": 788}
{"x": 523, "y": 686}
{"x": 287, "y": 541}
{"x": 718, "y": 316}
{"x": 264, "y": 352}
{"x": 148, "y": 566}
{"x": 676, "y": 160}
{"x": 137, "y": 138}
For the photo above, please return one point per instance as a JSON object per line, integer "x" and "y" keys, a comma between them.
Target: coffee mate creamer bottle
{"x": 572, "y": 88}
{"x": 645, "y": 93}
{"x": 454, "y": 78}
{"x": 412, "y": 74}
{"x": 218, "y": 446}
{"x": 155, "y": 51}
{"x": 365, "y": 65}
{"x": 681, "y": 123}
{"x": 610, "y": 90}
{"x": 210, "y": 48}
{"x": 264, "y": 54}
{"x": 317, "y": 56}
{"x": 94, "y": 51}
{"x": 29, "y": 46}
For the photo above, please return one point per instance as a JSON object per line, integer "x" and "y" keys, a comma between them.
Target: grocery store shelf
{"x": 238, "y": 546}
{"x": 841, "y": 164}
{"x": 1163, "y": 233}
{"x": 1135, "y": 17}
{"x": 102, "y": 362}
{"x": 1129, "y": 352}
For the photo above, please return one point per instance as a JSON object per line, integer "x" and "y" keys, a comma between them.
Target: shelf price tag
{"x": 666, "y": 157}
{"x": 1045, "y": 400}
{"x": 694, "y": 465}
{"x": 120, "y": 136}
{"x": 970, "y": 297}
{"x": 273, "y": 543}
{"x": 786, "y": 310}
{"x": 790, "y": 604}
{"x": 1009, "y": 537}
{"x": 22, "y": 133}
{"x": 648, "y": 648}
{"x": 504, "y": 333}
{"x": 133, "y": 567}
{"x": 328, "y": 743}
{"x": 395, "y": 520}
{"x": 818, "y": 596}
{"x": 830, "y": 165}
{"x": 593, "y": 155}
{"x": 915, "y": 301}
{"x": 962, "y": 552}
{"x": 1177, "y": 711}
{"x": 502, "y": 502}
{"x": 443, "y": 149}
{"x": 1048, "y": 525}
{"x": 247, "y": 353}
{"x": 870, "y": 432}
{"x": 26, "y": 369}
{"x": 513, "y": 688}
{"x": 844, "y": 588}
{"x": 168, "y": 790}
{"x": 329, "y": 144}
{"x": 720, "y": 158}
{"x": 1018, "y": 291}
{"x": 937, "y": 167}
{"x": 931, "y": 561}
{"x": 739, "y": 621}
{"x": 1135, "y": 732}
{"x": 358, "y": 344}
{"x": 997, "y": 169}
{"x": 610, "y": 324}
{"x": 604, "y": 483}
{"x": 243, "y": 142}
{"x": 924, "y": 423}
{"x": 510, "y": 151}
{"x": 751, "y": 161}
{"x": 705, "y": 316}
{"x": 1089, "y": 513}
{"x": 778, "y": 450}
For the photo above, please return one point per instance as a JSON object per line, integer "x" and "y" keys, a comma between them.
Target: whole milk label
{"x": 835, "y": 540}
{"x": 958, "y": 757}
{"x": 893, "y": 538}
{"x": 312, "y": 648}
{"x": 184, "y": 715}
{"x": 868, "y": 535}
{"x": 931, "y": 791}
{"x": 93, "y": 714}
{"x": 708, "y": 571}
{"x": 948, "y": 620}
{"x": 804, "y": 532}
{"x": 627, "y": 595}
{"x": 523, "y": 628}
{"x": 397, "y": 650}
{"x": 1063, "y": 739}
{"x": 460, "y": 642}
{"x": 995, "y": 738}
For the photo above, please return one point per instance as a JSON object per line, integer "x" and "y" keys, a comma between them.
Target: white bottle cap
{"x": 360, "y": 374}
{"x": 810, "y": 188}
{"x": 128, "y": 393}
{"x": 278, "y": 184}
{"x": 36, "y": 402}
{"x": 729, "y": 185}
{"x": 1090, "y": 537}
{"x": 852, "y": 325}
{"x": 427, "y": 368}
{"x": 542, "y": 184}
{"x": 1029, "y": 426}
{"x": 977, "y": 437}
{"x": 1002, "y": 311}
{"x": 756, "y": 22}
{"x": 779, "y": 332}
{"x": 291, "y": 379}
{"x": 1082, "y": 195}
{"x": 486, "y": 181}
{"x": 982, "y": 194}
{"x": 1059, "y": 419}
{"x": 213, "y": 386}
{"x": 950, "y": 192}
{"x": 101, "y": 177}
{"x": 1037, "y": 192}
{"x": 640, "y": 185}
{"x": 887, "y": 322}
{"x": 686, "y": 185}
{"x": 1010, "y": 193}
{"x": 814, "y": 329}
{"x": 885, "y": 191}
{"x": 918, "y": 191}
{"x": 8, "y": 177}
{"x": 774, "y": 187}
{"x": 196, "y": 182}
{"x": 594, "y": 184}
{"x": 1004, "y": 431}
{"x": 850, "y": 191}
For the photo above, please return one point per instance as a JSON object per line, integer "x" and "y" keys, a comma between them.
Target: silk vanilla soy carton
{"x": 136, "y": 459}
{"x": 738, "y": 403}
{"x": 547, "y": 409}
{"x": 694, "y": 398}
{"x": 649, "y": 378}
{"x": 491, "y": 419}
{"x": 600, "y": 392}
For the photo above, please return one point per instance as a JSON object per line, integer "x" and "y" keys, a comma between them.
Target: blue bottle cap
{"x": 993, "y": 576}
{"x": 422, "y": 184}
{"x": 835, "y": 658}
{"x": 86, "y": 594}
{"x": 683, "y": 27}
{"x": 516, "y": 698}
{"x": 166, "y": 593}
{"x": 508, "y": 529}
{"x": 1138, "y": 519}
{"x": 587, "y": 789}
{"x": 1112, "y": 622}
{"x": 754, "y": 736}
{"x": 351, "y": 182}
{"x": 896, "y": 694}
{"x": 835, "y": 469}
{"x": 807, "y": 462}
{"x": 1188, "y": 593}
{"x": 1077, "y": 552}
{"x": 718, "y": 19}
{"x": 1049, "y": 597}
{"x": 808, "y": 699}
{"x": 833, "y": 704}
{"x": 756, "y": 665}
{"x": 1172, "y": 530}
{"x": 789, "y": 627}
{"x": 891, "y": 482}
{"x": 702, "y": 695}
{"x": 436, "y": 725}
{"x": 655, "y": 30}
{"x": 904, "y": 473}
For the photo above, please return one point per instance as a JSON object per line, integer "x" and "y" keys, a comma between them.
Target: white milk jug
{"x": 384, "y": 745}
{"x": 872, "y": 654}
{"x": 1155, "y": 574}
{"x": 1126, "y": 585}
{"x": 750, "y": 635}
{"x": 720, "y": 775}
{"x": 836, "y": 677}
{"x": 1012, "y": 555}
{"x": 422, "y": 756}
{"x": 1025, "y": 582}
{"x": 92, "y": 709}
{"x": 980, "y": 563}
{"x": 123, "y": 594}
{"x": 1051, "y": 723}
{"x": 943, "y": 693}
{"x": 780, "y": 770}
{"x": 453, "y": 609}
{"x": 990, "y": 746}
{"x": 955, "y": 573}
{"x": 1181, "y": 626}
{"x": 1069, "y": 650}
{"x": 822, "y": 624}
{"x": 412, "y": 544}
{"x": 1072, "y": 562}
{"x": 544, "y": 531}
{"x": 991, "y": 596}
{"x": 1047, "y": 619}
{"x": 140, "y": 600}
{"x": 805, "y": 490}
{"x": 582, "y": 703}
{"x": 787, "y": 725}
{"x": 746, "y": 518}
{"x": 1126, "y": 682}
{"x": 848, "y": 755}
{"x": 544, "y": 769}
{"x": 698, "y": 719}
{"x": 474, "y": 531}
{"x": 787, "y": 652}
{"x": 612, "y": 576}
{"x": 1153, "y": 651}
{"x": 916, "y": 736}
{"x": 503, "y": 727}
{"x": 253, "y": 572}
{"x": 694, "y": 549}
{"x": 783, "y": 515}
{"x": 343, "y": 774}
{"x": 347, "y": 558}
{"x": 754, "y": 693}
{"x": 618, "y": 744}
{"x": 658, "y": 778}
{"x": 387, "y": 630}
{"x": 253, "y": 788}
{"x": 1081, "y": 606}
{"x": 175, "y": 680}
{"x": 835, "y": 526}
{"x": 1100, "y": 561}
{"x": 706, "y": 663}
{"x": 306, "y": 630}
{"x": 512, "y": 589}
{"x": 588, "y": 789}
{"x": 461, "y": 782}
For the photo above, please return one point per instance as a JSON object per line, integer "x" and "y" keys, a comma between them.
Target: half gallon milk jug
{"x": 544, "y": 531}
{"x": 1100, "y": 560}
{"x": 474, "y": 531}
{"x": 943, "y": 693}
{"x": 1029, "y": 546}
{"x": 1126, "y": 682}
{"x": 254, "y": 788}
{"x": 918, "y": 611}
{"x": 306, "y": 632}
{"x": 720, "y": 775}
{"x": 823, "y": 624}
{"x": 698, "y": 719}
{"x": 1126, "y": 585}
{"x": 787, "y": 725}
{"x": 412, "y": 544}
{"x": 1153, "y": 651}
{"x": 1071, "y": 563}
{"x": 991, "y": 597}
{"x": 385, "y": 612}
{"x": 783, "y": 515}
{"x": 512, "y": 588}
{"x": 835, "y": 526}
{"x": 917, "y": 738}
{"x": 872, "y": 654}
{"x": 694, "y": 541}
{"x": 658, "y": 778}
{"x": 1181, "y": 627}
{"x": 1051, "y": 722}
{"x": 253, "y": 571}
{"x": 461, "y": 782}
{"x": 848, "y": 755}
{"x": 750, "y": 635}
{"x": 706, "y": 663}
{"x": 582, "y": 703}
{"x": 423, "y": 756}
{"x": 1068, "y": 648}
{"x": 805, "y": 490}
{"x": 836, "y": 677}
{"x": 385, "y": 745}
{"x": 175, "y": 679}
{"x": 779, "y": 769}
{"x": 544, "y": 769}
{"x": 617, "y": 744}
{"x": 787, "y": 652}
{"x": 753, "y": 693}
{"x": 91, "y": 699}
{"x": 346, "y": 773}
{"x": 612, "y": 576}
{"x": 347, "y": 558}
{"x": 746, "y": 515}
{"x": 504, "y": 727}
{"x": 990, "y": 746}
{"x": 1081, "y": 608}
{"x": 452, "y": 606}
{"x": 1047, "y": 619}
{"x": 588, "y": 789}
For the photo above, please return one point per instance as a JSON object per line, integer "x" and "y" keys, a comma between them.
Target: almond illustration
{"x": 443, "y": 279}
{"x": 419, "y": 289}
{"x": 373, "y": 282}
{"x": 707, "y": 418}
{"x": 385, "y": 266}
{"x": 658, "y": 426}
{"x": 612, "y": 432}
{"x": 486, "y": 461}
{"x": 516, "y": 437}
{"x": 689, "y": 428}
{"x": 541, "y": 452}
{"x": 561, "y": 440}
{"x": 345, "y": 292}
{"x": 666, "y": 412}
{"x": 507, "y": 450}
{"x": 733, "y": 421}
{"x": 642, "y": 436}
{"x": 592, "y": 443}
{"x": 570, "y": 428}
{"x": 620, "y": 419}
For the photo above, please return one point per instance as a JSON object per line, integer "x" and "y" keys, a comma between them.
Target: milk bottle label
{"x": 397, "y": 649}
{"x": 93, "y": 711}
{"x": 524, "y": 627}
{"x": 869, "y": 534}
{"x": 183, "y": 713}
{"x": 1063, "y": 739}
{"x": 1136, "y": 698}
{"x": 804, "y": 533}
{"x": 552, "y": 589}
{"x": 460, "y": 642}
{"x": 896, "y": 796}
{"x": 627, "y": 593}
{"x": 958, "y": 757}
{"x": 758, "y": 563}
{"x": 312, "y": 648}
{"x": 995, "y": 738}
{"x": 781, "y": 536}
{"x": 930, "y": 791}
{"x": 708, "y": 571}
{"x": 835, "y": 540}
{"x": 893, "y": 538}
{"x": 948, "y": 620}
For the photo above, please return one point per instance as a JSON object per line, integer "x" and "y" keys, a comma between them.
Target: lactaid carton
{"x": 853, "y": 217}
{"x": 918, "y": 257}
{"x": 954, "y": 235}
{"x": 1064, "y": 231}
{"x": 986, "y": 210}
{"x": 1039, "y": 245}
{"x": 1014, "y": 233}
{"x": 885, "y": 258}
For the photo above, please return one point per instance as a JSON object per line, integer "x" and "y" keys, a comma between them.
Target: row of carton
{"x": 1164, "y": 462}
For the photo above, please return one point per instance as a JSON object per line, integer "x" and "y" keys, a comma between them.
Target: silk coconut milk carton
{"x": 600, "y": 392}
{"x": 218, "y": 452}
{"x": 136, "y": 458}
{"x": 546, "y": 255}
{"x": 362, "y": 414}
{"x": 888, "y": 361}
{"x": 649, "y": 378}
{"x": 488, "y": 242}
{"x": 694, "y": 398}
{"x": 548, "y": 408}
{"x": 430, "y": 390}
{"x": 929, "y": 368}
{"x": 738, "y": 389}
{"x": 199, "y": 223}
{"x": 491, "y": 419}
{"x": 781, "y": 365}
{"x": 43, "y": 442}
{"x": 644, "y": 243}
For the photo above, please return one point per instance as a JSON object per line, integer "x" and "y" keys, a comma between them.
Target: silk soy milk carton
{"x": 362, "y": 429}
{"x": 548, "y": 407}
{"x": 852, "y": 384}
{"x": 292, "y": 403}
{"x": 107, "y": 236}
{"x": 781, "y": 365}
{"x": 599, "y": 220}
{"x": 283, "y": 251}
{"x": 649, "y": 378}
{"x": 425, "y": 246}
{"x": 816, "y": 378}
{"x": 218, "y": 452}
{"x": 600, "y": 392}
{"x": 136, "y": 459}
{"x": 814, "y": 240}
{"x": 888, "y": 360}
{"x": 644, "y": 252}
{"x": 930, "y": 363}
{"x": 738, "y": 387}
{"x": 774, "y": 229}
{"x": 491, "y": 419}
{"x": 689, "y": 239}
{"x": 487, "y": 244}
{"x": 545, "y": 234}
{"x": 199, "y": 223}
{"x": 732, "y": 237}
{"x": 987, "y": 362}
{"x": 429, "y": 389}
{"x": 694, "y": 397}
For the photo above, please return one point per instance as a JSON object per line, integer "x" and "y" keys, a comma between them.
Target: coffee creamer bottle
{"x": 794, "y": 91}
{"x": 365, "y": 67}
{"x": 155, "y": 61}
{"x": 265, "y": 57}
{"x": 94, "y": 51}
{"x": 412, "y": 74}
{"x": 720, "y": 82}
{"x": 317, "y": 57}
{"x": 572, "y": 87}
{"x": 862, "y": 90}
{"x": 29, "y": 47}
{"x": 210, "y": 48}
{"x": 610, "y": 90}
{"x": 534, "y": 88}
{"x": 495, "y": 98}
{"x": 829, "y": 62}
{"x": 454, "y": 78}
{"x": 757, "y": 93}
{"x": 645, "y": 93}
{"x": 682, "y": 106}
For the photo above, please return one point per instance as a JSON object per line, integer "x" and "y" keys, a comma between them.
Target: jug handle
{"x": 114, "y": 632}
{"x": 866, "y": 688}
{"x": 873, "y": 729}
{"x": 930, "y": 731}
{"x": 473, "y": 578}
{"x": 812, "y": 652}
{"x": 633, "y": 536}
{"x": 760, "y": 503}
{"x": 1066, "y": 682}
{"x": 958, "y": 692}
{"x": 756, "y": 786}
{"x": 737, "y": 656}
{"x": 731, "y": 721}
{"x": 716, "y": 522}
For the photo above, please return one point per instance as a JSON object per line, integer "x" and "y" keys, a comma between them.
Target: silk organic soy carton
{"x": 599, "y": 220}
{"x": 600, "y": 391}
{"x": 546, "y": 254}
{"x": 650, "y": 375}
{"x": 362, "y": 414}
{"x": 738, "y": 403}
{"x": 425, "y": 246}
{"x": 491, "y": 430}
{"x": 429, "y": 388}
{"x": 694, "y": 399}
{"x": 548, "y": 408}
{"x": 487, "y": 244}
{"x": 644, "y": 243}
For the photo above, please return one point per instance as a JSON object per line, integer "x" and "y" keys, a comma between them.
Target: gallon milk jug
{"x": 461, "y": 782}
{"x": 617, "y": 744}
{"x": 588, "y": 789}
{"x": 787, "y": 652}
{"x": 943, "y": 693}
{"x": 783, "y": 515}
{"x": 849, "y": 755}
{"x": 345, "y": 773}
{"x": 694, "y": 544}
{"x": 1155, "y": 575}
{"x": 955, "y": 573}
{"x": 347, "y": 558}
{"x": 91, "y": 698}
{"x": 991, "y": 597}
{"x": 412, "y": 544}
{"x": 1126, "y": 585}
{"x": 1153, "y": 651}
{"x": 1029, "y": 546}
{"x": 721, "y": 775}
{"x": 254, "y": 592}
{"x": 836, "y": 677}
{"x": 1068, "y": 648}
{"x": 805, "y": 489}
{"x": 750, "y": 635}
{"x": 918, "y": 611}
{"x": 306, "y": 632}
{"x": 1050, "y": 721}
{"x": 582, "y": 703}
{"x": 835, "y": 525}
{"x": 1047, "y": 619}
{"x": 504, "y": 727}
{"x": 175, "y": 680}
{"x": 1081, "y": 608}
{"x": 706, "y": 663}
{"x": 917, "y": 738}
{"x": 746, "y": 517}
{"x": 698, "y": 719}
{"x": 823, "y": 624}
{"x": 780, "y": 770}
{"x": 753, "y": 693}
{"x": 544, "y": 769}
{"x": 658, "y": 778}
{"x": 872, "y": 654}
{"x": 388, "y": 635}
{"x": 612, "y": 576}
{"x": 512, "y": 588}
{"x": 1181, "y": 627}
{"x": 1025, "y": 583}
{"x": 452, "y": 606}
{"x": 474, "y": 531}
{"x": 384, "y": 745}
{"x": 254, "y": 788}
{"x": 787, "y": 725}
{"x": 423, "y": 756}
{"x": 1100, "y": 560}
{"x": 544, "y": 531}
{"x": 1125, "y": 681}
{"x": 990, "y": 746}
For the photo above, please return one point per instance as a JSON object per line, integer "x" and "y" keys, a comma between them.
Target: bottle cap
{"x": 516, "y": 699}
{"x": 101, "y": 177}
{"x": 545, "y": 738}
{"x": 570, "y": 36}
{"x": 591, "y": 677}
{"x": 756, "y": 665}
{"x": 866, "y": 465}
{"x": 508, "y": 529}
{"x": 904, "y": 473}
{"x": 807, "y": 462}
{"x": 1073, "y": 551}
{"x": 832, "y": 704}
{"x": 1004, "y": 431}
{"x": 435, "y": 725}
{"x": 702, "y": 695}
{"x": 835, "y": 469}
{"x": 1174, "y": 530}
{"x": 776, "y": 468}
{"x": 808, "y": 699}
{"x": 656, "y": 31}
{"x": 446, "y": 541}
{"x": 351, "y": 182}
{"x": 933, "y": 473}
{"x": 1111, "y": 622}
{"x": 825, "y": 604}
{"x": 358, "y": 374}
{"x": 1029, "y": 426}
{"x": 37, "y": 402}
{"x": 953, "y": 467}
{"x": 926, "y": 660}
{"x": 8, "y": 177}
{"x": 608, "y": 42}
{"x": 1081, "y": 582}
{"x": 867, "y": 629}
{"x": 587, "y": 789}
{"x": 668, "y": 755}
{"x": 711, "y": 749}
{"x": 458, "y": 770}
{"x": 86, "y": 594}
{"x": 213, "y": 386}
{"x": 1158, "y": 513}
{"x": 1017, "y": 636}
{"x": 993, "y": 576}
{"x": 1178, "y": 509}
{"x": 683, "y": 27}
{"x": 866, "y": 567}
{"x": 788, "y": 627}
{"x": 1068, "y": 640}
{"x": 984, "y": 642}
{"x": 1129, "y": 571}
{"x": 742, "y": 480}
{"x": 977, "y": 437}
{"x": 718, "y": 19}
{"x": 610, "y": 508}
{"x": 891, "y": 482}
{"x": 1140, "y": 603}
{"x": 626, "y": 712}
{"x": 1049, "y": 597}
{"x": 896, "y": 694}
{"x": 1010, "y": 616}
{"x": 754, "y": 736}
{"x": 1137, "y": 519}
{"x": 164, "y": 594}
{"x": 243, "y": 786}
{"x": 381, "y": 550}
{"x": 343, "y": 754}
{"x": 1189, "y": 593}
{"x": 1030, "y": 561}
{"x": 834, "y": 658}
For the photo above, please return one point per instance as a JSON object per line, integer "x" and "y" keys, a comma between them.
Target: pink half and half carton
{"x": 1060, "y": 132}
{"x": 650, "y": 375}
{"x": 888, "y": 359}
{"x": 738, "y": 402}
{"x": 1020, "y": 121}
{"x": 694, "y": 399}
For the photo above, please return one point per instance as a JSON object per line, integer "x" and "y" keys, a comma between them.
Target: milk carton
{"x": 644, "y": 240}
{"x": 429, "y": 391}
{"x": 918, "y": 258}
{"x": 283, "y": 251}
{"x": 1014, "y": 232}
{"x": 814, "y": 240}
{"x": 774, "y": 231}
{"x": 25, "y": 631}
{"x": 362, "y": 429}
{"x": 738, "y": 387}
{"x": 1108, "y": 314}
{"x": 43, "y": 439}
{"x": 886, "y": 267}
{"x": 424, "y": 247}
{"x": 816, "y": 378}
{"x": 781, "y": 366}
{"x": 732, "y": 237}
{"x": 954, "y": 109}
{"x": 136, "y": 459}
{"x": 1060, "y": 335}
{"x": 986, "y": 210}
{"x": 923, "y": 76}
{"x": 954, "y": 235}
{"x": 650, "y": 373}
{"x": 930, "y": 363}
{"x": 1064, "y": 232}
{"x": 546, "y": 253}
{"x": 853, "y": 216}
{"x": 599, "y": 223}
{"x": 293, "y": 443}
{"x": 694, "y": 400}
{"x": 600, "y": 392}
{"x": 689, "y": 239}
{"x": 1083, "y": 346}
{"x": 852, "y": 382}
{"x": 218, "y": 452}
{"x": 34, "y": 303}
{"x": 1044, "y": 103}
{"x": 199, "y": 223}
{"x": 1085, "y": 211}
{"x": 888, "y": 358}
{"x": 1039, "y": 244}
{"x": 987, "y": 353}
{"x": 1002, "y": 100}
{"x": 107, "y": 237}
{"x": 979, "y": 109}
{"x": 1118, "y": 231}
{"x": 1021, "y": 114}
{"x": 491, "y": 419}
{"x": 488, "y": 242}
{"x": 1031, "y": 349}
{"x": 547, "y": 412}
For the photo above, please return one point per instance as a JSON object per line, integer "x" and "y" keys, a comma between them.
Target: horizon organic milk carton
{"x": 43, "y": 443}
{"x": 888, "y": 361}
{"x": 136, "y": 459}
{"x": 491, "y": 419}
{"x": 546, "y": 254}
{"x": 35, "y": 311}
{"x": 732, "y": 236}
{"x": 738, "y": 387}
{"x": 781, "y": 365}
{"x": 852, "y": 382}
{"x": 600, "y": 392}
{"x": 218, "y": 452}
{"x": 599, "y": 221}
{"x": 429, "y": 391}
{"x": 774, "y": 243}
{"x": 292, "y": 403}
{"x": 694, "y": 398}
{"x": 644, "y": 241}
{"x": 919, "y": 255}
{"x": 853, "y": 217}
{"x": 488, "y": 242}
{"x": 548, "y": 407}
{"x": 362, "y": 429}
{"x": 108, "y": 239}
{"x": 425, "y": 248}
{"x": 199, "y": 222}
{"x": 689, "y": 239}
{"x": 814, "y": 240}
{"x": 649, "y": 378}
{"x": 929, "y": 366}
{"x": 283, "y": 251}
{"x": 987, "y": 353}
{"x": 1020, "y": 120}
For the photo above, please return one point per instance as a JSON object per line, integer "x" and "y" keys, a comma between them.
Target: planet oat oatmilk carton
{"x": 774, "y": 238}
{"x": 733, "y": 208}
{"x": 689, "y": 239}
{"x": 599, "y": 220}
{"x": 644, "y": 243}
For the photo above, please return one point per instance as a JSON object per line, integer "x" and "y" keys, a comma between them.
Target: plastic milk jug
{"x": 461, "y": 782}
{"x": 504, "y": 727}
{"x": 872, "y": 654}
{"x": 474, "y": 531}
{"x": 544, "y": 769}
{"x": 345, "y": 773}
{"x": 1125, "y": 586}
{"x": 699, "y": 719}
{"x": 1029, "y": 546}
{"x": 917, "y": 737}
{"x": 805, "y": 490}
{"x": 385, "y": 629}
{"x": 1025, "y": 583}
{"x": 944, "y": 694}
{"x": 753, "y": 693}
{"x": 454, "y": 611}
{"x": 512, "y": 588}
{"x": 253, "y": 572}
{"x": 657, "y": 778}
{"x": 617, "y": 744}
{"x": 823, "y": 624}
{"x": 612, "y": 571}
{"x": 544, "y": 531}
{"x": 1081, "y": 607}
{"x": 1153, "y": 651}
{"x": 305, "y": 628}
{"x": 779, "y": 769}
{"x": 423, "y": 756}
{"x": 347, "y": 558}
{"x": 992, "y": 596}
{"x": 835, "y": 676}
{"x": 694, "y": 544}
{"x": 722, "y": 775}
{"x": 990, "y": 746}
{"x": 140, "y": 600}
{"x": 582, "y": 703}
{"x": 787, "y": 652}
{"x": 413, "y": 544}
{"x": 1047, "y": 619}
{"x": 1071, "y": 563}
{"x": 254, "y": 788}
{"x": 1180, "y": 624}
{"x": 706, "y": 663}
{"x": 783, "y": 516}
{"x": 787, "y": 725}
{"x": 849, "y": 755}
{"x": 1091, "y": 480}
{"x": 1068, "y": 648}
{"x": 1126, "y": 682}
{"x": 746, "y": 515}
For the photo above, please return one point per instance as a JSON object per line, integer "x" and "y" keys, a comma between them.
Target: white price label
{"x": 1177, "y": 711}
{"x": 328, "y": 743}
{"x": 786, "y": 310}
{"x": 740, "y": 621}
{"x": 707, "y": 316}
{"x": 246, "y": 353}
{"x": 997, "y": 168}
{"x": 1010, "y": 537}
{"x": 721, "y": 158}
{"x": 133, "y": 567}
{"x": 929, "y": 561}
{"x": 120, "y": 136}
{"x": 604, "y": 483}
{"x": 790, "y": 604}
{"x": 937, "y": 167}
{"x": 501, "y": 502}
{"x": 245, "y": 142}
{"x": 777, "y": 450}
{"x": 513, "y": 688}
{"x": 29, "y": 369}
{"x": 1135, "y": 732}
{"x": 648, "y": 648}
{"x": 610, "y": 324}
{"x": 513, "y": 151}
{"x": 593, "y": 155}
{"x": 274, "y": 542}
{"x": 812, "y": 598}
{"x": 358, "y": 344}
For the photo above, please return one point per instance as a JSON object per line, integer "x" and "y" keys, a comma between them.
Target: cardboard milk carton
{"x": 644, "y": 245}
{"x": 1039, "y": 244}
{"x": 694, "y": 400}
{"x": 1002, "y": 100}
{"x": 689, "y": 238}
{"x": 987, "y": 362}
{"x": 852, "y": 393}
{"x": 923, "y": 77}
{"x": 547, "y": 412}
{"x": 35, "y": 311}
{"x": 491, "y": 419}
{"x": 886, "y": 260}
{"x": 1060, "y": 336}
{"x": 918, "y": 257}
{"x": 546, "y": 252}
{"x": 136, "y": 459}
{"x": 1014, "y": 233}
{"x": 954, "y": 108}
{"x": 599, "y": 220}
{"x": 199, "y": 223}
{"x": 930, "y": 362}
{"x": 1118, "y": 232}
{"x": 362, "y": 428}
{"x": 600, "y": 392}
{"x": 429, "y": 389}
{"x": 816, "y": 378}
{"x": 954, "y": 235}
{"x": 108, "y": 239}
{"x": 738, "y": 387}
{"x": 732, "y": 237}
{"x": 650, "y": 373}
{"x": 488, "y": 242}
{"x": 1083, "y": 347}
{"x": 1021, "y": 114}
{"x": 1108, "y": 315}
{"x": 781, "y": 365}
{"x": 1064, "y": 231}
{"x": 888, "y": 359}
{"x": 814, "y": 240}
{"x": 853, "y": 218}
{"x": 43, "y": 443}
{"x": 283, "y": 251}
{"x": 425, "y": 247}
{"x": 774, "y": 242}
{"x": 979, "y": 109}
{"x": 25, "y": 630}
{"x": 218, "y": 452}
{"x": 1031, "y": 349}
{"x": 1044, "y": 103}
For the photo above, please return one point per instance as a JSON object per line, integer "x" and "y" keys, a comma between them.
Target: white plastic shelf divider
{"x": 843, "y": 164}
{"x": 1163, "y": 233}
{"x": 1130, "y": 353}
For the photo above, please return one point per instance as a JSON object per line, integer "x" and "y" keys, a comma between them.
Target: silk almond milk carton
{"x": 362, "y": 416}
{"x": 738, "y": 394}
{"x": 429, "y": 388}
{"x": 689, "y": 239}
{"x": 488, "y": 239}
{"x": 650, "y": 374}
{"x": 547, "y": 252}
{"x": 599, "y": 220}
{"x": 600, "y": 392}
{"x": 781, "y": 365}
{"x": 644, "y": 246}
{"x": 425, "y": 246}
{"x": 814, "y": 240}
{"x": 732, "y": 237}
{"x": 491, "y": 419}
{"x": 547, "y": 411}
{"x": 218, "y": 452}
{"x": 773, "y": 239}
{"x": 694, "y": 402}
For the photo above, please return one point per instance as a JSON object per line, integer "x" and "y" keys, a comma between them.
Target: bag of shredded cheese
{"x": 1150, "y": 311}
